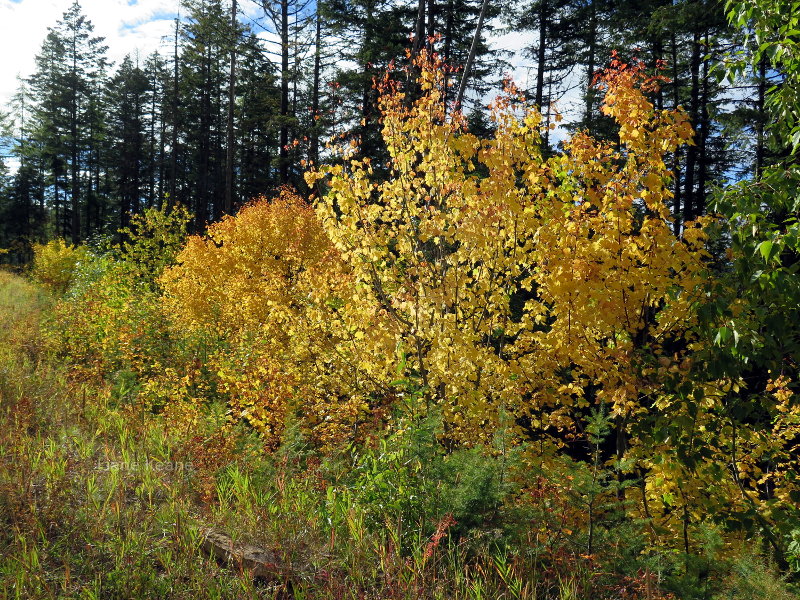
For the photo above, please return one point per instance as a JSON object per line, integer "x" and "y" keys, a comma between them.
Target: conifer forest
{"x": 332, "y": 299}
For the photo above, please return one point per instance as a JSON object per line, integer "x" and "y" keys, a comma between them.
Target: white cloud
{"x": 128, "y": 26}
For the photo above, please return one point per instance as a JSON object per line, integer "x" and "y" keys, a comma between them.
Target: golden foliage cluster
{"x": 501, "y": 282}
{"x": 477, "y": 279}
{"x": 55, "y": 262}
{"x": 515, "y": 282}
{"x": 272, "y": 286}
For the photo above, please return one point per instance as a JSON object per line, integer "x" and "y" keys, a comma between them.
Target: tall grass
{"x": 100, "y": 497}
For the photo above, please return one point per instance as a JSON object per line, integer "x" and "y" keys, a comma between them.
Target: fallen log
{"x": 260, "y": 562}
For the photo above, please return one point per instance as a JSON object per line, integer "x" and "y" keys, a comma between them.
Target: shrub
{"x": 510, "y": 281}
{"x": 153, "y": 240}
{"x": 55, "y": 264}
{"x": 111, "y": 322}
{"x": 270, "y": 289}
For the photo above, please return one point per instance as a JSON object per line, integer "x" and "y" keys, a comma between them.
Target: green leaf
{"x": 768, "y": 250}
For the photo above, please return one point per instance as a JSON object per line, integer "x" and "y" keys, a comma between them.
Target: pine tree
{"x": 157, "y": 135}
{"x": 22, "y": 201}
{"x": 127, "y": 101}
{"x": 69, "y": 65}
{"x": 257, "y": 122}
{"x": 203, "y": 73}
{"x": 8, "y": 220}
{"x": 691, "y": 35}
{"x": 48, "y": 128}
{"x": 371, "y": 34}
{"x": 293, "y": 22}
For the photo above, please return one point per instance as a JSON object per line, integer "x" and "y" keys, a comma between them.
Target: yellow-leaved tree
{"x": 271, "y": 288}
{"x": 516, "y": 284}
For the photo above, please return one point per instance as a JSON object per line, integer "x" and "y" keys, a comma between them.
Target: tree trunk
{"x": 761, "y": 116}
{"x": 313, "y": 153}
{"x": 204, "y": 149}
{"x": 366, "y": 104}
{"x": 58, "y": 209}
{"x": 419, "y": 28}
{"x": 90, "y": 208}
{"x": 97, "y": 191}
{"x": 431, "y": 22}
{"x": 448, "y": 50}
{"x": 676, "y": 159}
{"x": 75, "y": 225}
{"x": 151, "y": 169}
{"x": 173, "y": 158}
{"x": 138, "y": 149}
{"x": 541, "y": 55}
{"x": 162, "y": 157}
{"x": 230, "y": 142}
{"x": 590, "y": 66}
{"x": 702, "y": 141}
{"x": 691, "y": 153}
{"x": 658, "y": 50}
{"x": 284, "y": 133}
{"x": 462, "y": 87}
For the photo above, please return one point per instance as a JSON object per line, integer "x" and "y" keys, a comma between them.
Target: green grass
{"x": 101, "y": 499}
{"x": 87, "y": 509}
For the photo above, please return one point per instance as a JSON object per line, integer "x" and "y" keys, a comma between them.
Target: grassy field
{"x": 99, "y": 501}
{"x": 88, "y": 507}
{"x": 102, "y": 499}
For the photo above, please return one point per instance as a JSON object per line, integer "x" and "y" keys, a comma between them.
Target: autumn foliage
{"x": 516, "y": 284}
{"x": 55, "y": 263}
{"x": 272, "y": 286}
{"x": 541, "y": 303}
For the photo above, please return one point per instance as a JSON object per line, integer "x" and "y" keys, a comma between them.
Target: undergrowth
{"x": 103, "y": 497}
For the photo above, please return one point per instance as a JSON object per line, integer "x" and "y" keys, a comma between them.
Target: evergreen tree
{"x": 257, "y": 122}
{"x": 293, "y": 22}
{"x": 69, "y": 66}
{"x": 7, "y": 217}
{"x": 128, "y": 101}
{"x": 202, "y": 85}
{"x": 457, "y": 25}
{"x": 223, "y": 118}
{"x": 371, "y": 34}
{"x": 22, "y": 200}
{"x": 558, "y": 27}
{"x": 157, "y": 75}
{"x": 691, "y": 36}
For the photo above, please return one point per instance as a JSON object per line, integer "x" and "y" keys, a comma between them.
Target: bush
{"x": 55, "y": 264}
{"x": 111, "y": 323}
{"x": 270, "y": 296}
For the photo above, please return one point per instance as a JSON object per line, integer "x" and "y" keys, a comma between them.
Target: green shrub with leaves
{"x": 153, "y": 240}
{"x": 56, "y": 262}
{"x": 110, "y": 324}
